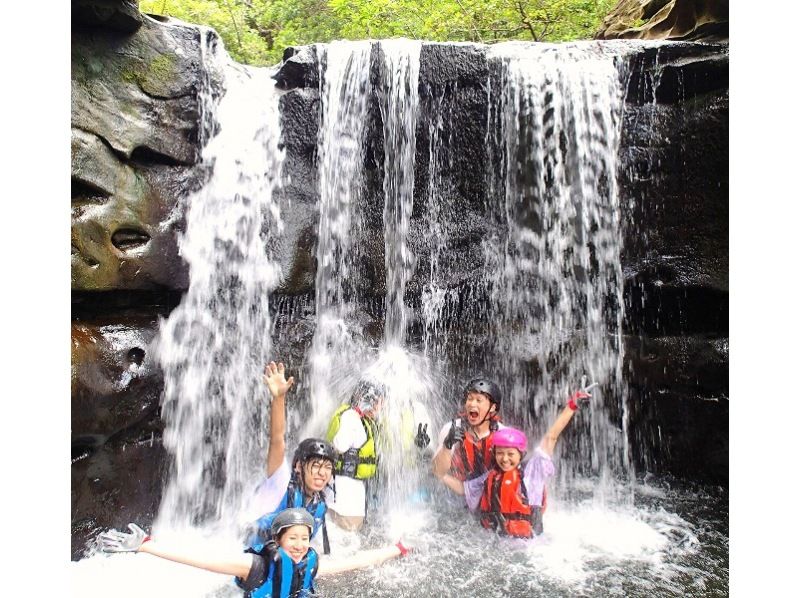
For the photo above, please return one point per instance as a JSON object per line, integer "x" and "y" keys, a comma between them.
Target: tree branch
{"x": 235, "y": 26}
{"x": 526, "y": 20}
{"x": 470, "y": 20}
{"x": 265, "y": 33}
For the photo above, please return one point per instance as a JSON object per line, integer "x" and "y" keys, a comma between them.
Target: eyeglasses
{"x": 320, "y": 467}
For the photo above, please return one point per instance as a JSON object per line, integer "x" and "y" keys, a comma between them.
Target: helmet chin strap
{"x": 480, "y": 423}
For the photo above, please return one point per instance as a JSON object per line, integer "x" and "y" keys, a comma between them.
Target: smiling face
{"x": 316, "y": 473}
{"x": 477, "y": 406}
{"x": 507, "y": 458}
{"x": 295, "y": 541}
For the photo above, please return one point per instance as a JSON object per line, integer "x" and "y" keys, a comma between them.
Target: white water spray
{"x": 214, "y": 345}
{"x": 556, "y": 277}
{"x": 338, "y": 345}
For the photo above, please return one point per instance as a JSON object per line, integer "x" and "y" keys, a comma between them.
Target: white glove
{"x": 114, "y": 541}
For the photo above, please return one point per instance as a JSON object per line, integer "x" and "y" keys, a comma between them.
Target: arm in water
{"x": 578, "y": 398}
{"x": 278, "y": 385}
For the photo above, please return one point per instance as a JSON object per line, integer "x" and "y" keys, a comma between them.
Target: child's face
{"x": 295, "y": 542}
{"x": 477, "y": 406}
{"x": 317, "y": 473}
{"x": 507, "y": 458}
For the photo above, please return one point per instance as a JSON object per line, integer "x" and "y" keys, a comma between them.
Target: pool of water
{"x": 671, "y": 541}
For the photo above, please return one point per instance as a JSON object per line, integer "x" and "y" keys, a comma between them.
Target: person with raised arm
{"x": 511, "y": 497}
{"x": 303, "y": 483}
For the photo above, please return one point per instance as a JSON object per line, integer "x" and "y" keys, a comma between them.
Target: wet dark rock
{"x": 463, "y": 64}
{"x": 116, "y": 484}
{"x": 116, "y": 383}
{"x": 300, "y": 113}
{"x": 675, "y": 161}
{"x": 679, "y": 405}
{"x": 135, "y": 127}
{"x": 118, "y": 15}
{"x": 678, "y": 72}
{"x": 299, "y": 68}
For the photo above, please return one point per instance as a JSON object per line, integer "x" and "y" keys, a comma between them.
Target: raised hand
{"x": 455, "y": 435}
{"x": 422, "y": 439}
{"x": 580, "y": 398}
{"x": 275, "y": 379}
{"x": 114, "y": 541}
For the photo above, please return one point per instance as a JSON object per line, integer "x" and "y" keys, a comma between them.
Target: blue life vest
{"x": 287, "y": 579}
{"x": 292, "y": 498}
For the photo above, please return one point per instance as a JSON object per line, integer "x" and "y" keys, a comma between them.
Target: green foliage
{"x": 257, "y": 31}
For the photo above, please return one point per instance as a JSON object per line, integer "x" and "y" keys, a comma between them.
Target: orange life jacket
{"x": 472, "y": 458}
{"x": 504, "y": 504}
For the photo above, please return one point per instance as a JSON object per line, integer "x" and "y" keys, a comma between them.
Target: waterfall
{"x": 399, "y": 104}
{"x": 522, "y": 284}
{"x": 399, "y": 109}
{"x": 341, "y": 353}
{"x": 214, "y": 345}
{"x": 554, "y": 272}
{"x": 338, "y": 343}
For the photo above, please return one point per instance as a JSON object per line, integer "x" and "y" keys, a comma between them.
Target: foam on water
{"x": 585, "y": 550}
{"x": 595, "y": 542}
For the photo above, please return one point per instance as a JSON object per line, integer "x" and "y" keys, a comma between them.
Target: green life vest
{"x": 367, "y": 460}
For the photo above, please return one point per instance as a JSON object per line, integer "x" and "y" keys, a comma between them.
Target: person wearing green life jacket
{"x": 355, "y": 433}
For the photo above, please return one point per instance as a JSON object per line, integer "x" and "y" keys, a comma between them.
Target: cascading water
{"x": 214, "y": 345}
{"x": 556, "y": 275}
{"x": 404, "y": 409}
{"x": 399, "y": 110}
{"x": 549, "y": 298}
{"x": 338, "y": 343}
{"x": 340, "y": 354}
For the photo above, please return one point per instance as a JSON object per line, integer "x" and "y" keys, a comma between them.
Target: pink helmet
{"x": 510, "y": 438}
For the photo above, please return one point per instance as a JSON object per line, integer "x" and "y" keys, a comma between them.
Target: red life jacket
{"x": 473, "y": 458}
{"x": 504, "y": 504}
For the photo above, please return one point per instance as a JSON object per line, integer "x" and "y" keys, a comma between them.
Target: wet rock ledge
{"x": 135, "y": 158}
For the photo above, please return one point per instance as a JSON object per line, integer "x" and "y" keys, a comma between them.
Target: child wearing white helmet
{"x": 284, "y": 567}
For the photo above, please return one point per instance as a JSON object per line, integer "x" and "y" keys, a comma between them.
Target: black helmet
{"x": 314, "y": 447}
{"x": 367, "y": 392}
{"x": 290, "y": 517}
{"x": 486, "y": 387}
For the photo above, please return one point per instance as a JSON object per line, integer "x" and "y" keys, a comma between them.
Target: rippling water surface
{"x": 672, "y": 542}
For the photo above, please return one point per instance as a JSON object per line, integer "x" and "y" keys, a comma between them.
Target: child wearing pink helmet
{"x": 511, "y": 497}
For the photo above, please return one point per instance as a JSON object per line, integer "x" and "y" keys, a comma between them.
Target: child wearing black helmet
{"x": 303, "y": 483}
{"x": 284, "y": 567}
